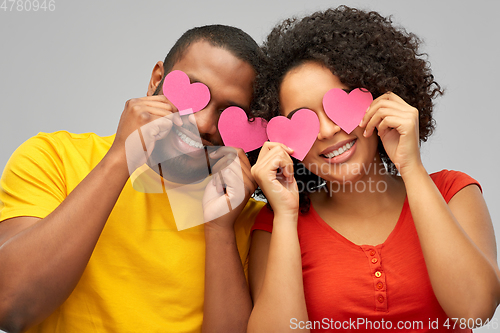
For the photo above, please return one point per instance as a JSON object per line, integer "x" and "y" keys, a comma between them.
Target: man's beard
{"x": 177, "y": 167}
{"x": 184, "y": 169}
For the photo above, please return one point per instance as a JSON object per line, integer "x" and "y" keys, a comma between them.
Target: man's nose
{"x": 205, "y": 120}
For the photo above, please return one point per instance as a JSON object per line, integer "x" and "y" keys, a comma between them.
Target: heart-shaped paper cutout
{"x": 346, "y": 110}
{"x": 187, "y": 98}
{"x": 237, "y": 131}
{"x": 298, "y": 133}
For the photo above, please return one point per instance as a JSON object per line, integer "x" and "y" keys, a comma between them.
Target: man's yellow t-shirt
{"x": 144, "y": 275}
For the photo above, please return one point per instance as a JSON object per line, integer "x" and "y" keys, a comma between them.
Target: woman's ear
{"x": 156, "y": 77}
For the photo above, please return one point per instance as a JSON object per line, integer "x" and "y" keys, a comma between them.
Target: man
{"x": 82, "y": 251}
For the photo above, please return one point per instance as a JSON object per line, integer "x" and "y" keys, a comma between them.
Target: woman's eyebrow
{"x": 289, "y": 116}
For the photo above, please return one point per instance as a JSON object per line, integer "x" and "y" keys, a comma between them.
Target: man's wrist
{"x": 213, "y": 229}
{"x": 115, "y": 165}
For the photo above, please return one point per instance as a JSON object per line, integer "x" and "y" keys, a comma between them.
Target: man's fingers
{"x": 228, "y": 161}
{"x": 217, "y": 152}
{"x": 160, "y": 105}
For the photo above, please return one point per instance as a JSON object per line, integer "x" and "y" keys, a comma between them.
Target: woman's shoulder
{"x": 264, "y": 219}
{"x": 449, "y": 182}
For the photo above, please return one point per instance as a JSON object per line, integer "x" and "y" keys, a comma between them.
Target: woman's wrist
{"x": 285, "y": 219}
{"x": 414, "y": 174}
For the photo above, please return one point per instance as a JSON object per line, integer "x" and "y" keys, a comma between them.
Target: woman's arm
{"x": 457, "y": 239}
{"x": 276, "y": 278}
{"x": 275, "y": 259}
{"x": 458, "y": 244}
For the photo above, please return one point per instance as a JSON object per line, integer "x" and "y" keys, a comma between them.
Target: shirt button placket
{"x": 380, "y": 292}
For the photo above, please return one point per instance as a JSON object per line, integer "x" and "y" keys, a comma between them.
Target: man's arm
{"x": 43, "y": 259}
{"x": 227, "y": 303}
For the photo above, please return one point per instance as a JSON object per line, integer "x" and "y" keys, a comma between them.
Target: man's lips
{"x": 336, "y": 146}
{"x": 193, "y": 136}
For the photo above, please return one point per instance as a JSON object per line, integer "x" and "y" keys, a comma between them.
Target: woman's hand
{"x": 397, "y": 124}
{"x": 273, "y": 172}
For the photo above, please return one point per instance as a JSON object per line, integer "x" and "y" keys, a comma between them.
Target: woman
{"x": 360, "y": 236}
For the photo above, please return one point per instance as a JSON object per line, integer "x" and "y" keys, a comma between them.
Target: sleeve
{"x": 32, "y": 182}
{"x": 264, "y": 220}
{"x": 450, "y": 182}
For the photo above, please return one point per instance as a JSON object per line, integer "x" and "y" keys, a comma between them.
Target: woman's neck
{"x": 374, "y": 191}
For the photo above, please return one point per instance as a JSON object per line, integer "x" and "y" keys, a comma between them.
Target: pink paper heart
{"x": 346, "y": 110}
{"x": 298, "y": 133}
{"x": 187, "y": 98}
{"x": 237, "y": 131}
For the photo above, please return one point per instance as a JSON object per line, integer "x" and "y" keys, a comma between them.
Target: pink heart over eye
{"x": 346, "y": 110}
{"x": 186, "y": 96}
{"x": 237, "y": 131}
{"x": 299, "y": 132}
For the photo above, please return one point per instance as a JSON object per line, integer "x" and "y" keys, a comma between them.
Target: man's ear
{"x": 156, "y": 77}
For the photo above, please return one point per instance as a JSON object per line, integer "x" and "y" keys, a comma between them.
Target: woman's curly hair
{"x": 364, "y": 50}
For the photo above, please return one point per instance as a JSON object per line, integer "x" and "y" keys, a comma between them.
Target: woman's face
{"x": 335, "y": 155}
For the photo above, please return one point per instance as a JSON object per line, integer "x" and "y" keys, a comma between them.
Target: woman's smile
{"x": 340, "y": 152}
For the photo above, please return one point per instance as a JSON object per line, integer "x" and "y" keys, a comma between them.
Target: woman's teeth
{"x": 188, "y": 140}
{"x": 341, "y": 150}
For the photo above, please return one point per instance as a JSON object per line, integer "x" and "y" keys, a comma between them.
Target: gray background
{"x": 74, "y": 68}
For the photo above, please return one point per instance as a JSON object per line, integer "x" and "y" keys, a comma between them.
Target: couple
{"x": 82, "y": 251}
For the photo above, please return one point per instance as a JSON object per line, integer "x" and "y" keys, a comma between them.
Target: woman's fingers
{"x": 275, "y": 158}
{"x": 268, "y": 146}
{"x": 385, "y": 108}
{"x": 387, "y": 100}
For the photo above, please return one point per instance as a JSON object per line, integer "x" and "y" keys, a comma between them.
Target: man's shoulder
{"x": 251, "y": 210}
{"x": 74, "y": 138}
{"x": 58, "y": 148}
{"x": 253, "y": 206}
{"x": 64, "y": 142}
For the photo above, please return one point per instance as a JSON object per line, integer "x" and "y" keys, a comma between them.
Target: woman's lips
{"x": 336, "y": 146}
{"x": 344, "y": 150}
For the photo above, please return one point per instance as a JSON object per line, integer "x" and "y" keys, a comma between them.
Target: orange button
{"x": 380, "y": 285}
{"x": 378, "y": 274}
{"x": 372, "y": 252}
{"x": 374, "y": 260}
{"x": 381, "y": 299}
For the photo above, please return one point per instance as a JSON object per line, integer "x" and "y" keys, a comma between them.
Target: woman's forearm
{"x": 282, "y": 295}
{"x": 463, "y": 278}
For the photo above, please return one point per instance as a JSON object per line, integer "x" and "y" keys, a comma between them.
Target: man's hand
{"x": 143, "y": 122}
{"x": 231, "y": 187}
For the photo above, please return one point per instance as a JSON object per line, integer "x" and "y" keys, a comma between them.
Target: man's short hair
{"x": 232, "y": 39}
{"x": 235, "y": 40}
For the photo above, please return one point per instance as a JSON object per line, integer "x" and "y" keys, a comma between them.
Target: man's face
{"x": 230, "y": 81}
